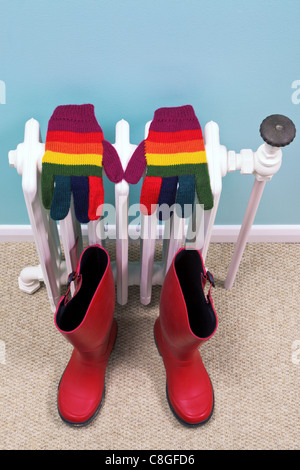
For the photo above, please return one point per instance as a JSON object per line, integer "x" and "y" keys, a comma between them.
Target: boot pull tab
{"x": 210, "y": 278}
{"x": 73, "y": 277}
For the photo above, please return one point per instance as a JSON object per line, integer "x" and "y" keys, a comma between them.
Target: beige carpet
{"x": 250, "y": 361}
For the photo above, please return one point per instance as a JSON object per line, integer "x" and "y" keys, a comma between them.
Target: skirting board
{"x": 220, "y": 233}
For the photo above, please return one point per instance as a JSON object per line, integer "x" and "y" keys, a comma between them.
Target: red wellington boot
{"x": 187, "y": 319}
{"x": 86, "y": 321}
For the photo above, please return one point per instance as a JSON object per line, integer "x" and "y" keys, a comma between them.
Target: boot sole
{"x": 88, "y": 421}
{"x": 181, "y": 420}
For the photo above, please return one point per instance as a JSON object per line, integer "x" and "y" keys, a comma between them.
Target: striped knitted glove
{"x": 175, "y": 158}
{"x": 75, "y": 152}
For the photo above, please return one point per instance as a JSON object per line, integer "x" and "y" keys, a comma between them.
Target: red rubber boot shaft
{"x": 81, "y": 387}
{"x": 189, "y": 389}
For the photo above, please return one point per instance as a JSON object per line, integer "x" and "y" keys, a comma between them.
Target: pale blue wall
{"x": 233, "y": 60}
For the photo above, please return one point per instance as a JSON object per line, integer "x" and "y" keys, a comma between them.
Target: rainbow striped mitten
{"x": 75, "y": 152}
{"x": 175, "y": 158}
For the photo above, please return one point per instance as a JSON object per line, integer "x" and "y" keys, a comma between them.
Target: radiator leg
{"x": 122, "y": 201}
{"x": 209, "y": 220}
{"x": 30, "y": 279}
{"x": 96, "y": 233}
{"x": 253, "y": 203}
{"x": 71, "y": 236}
{"x": 47, "y": 244}
{"x": 177, "y": 238}
{"x": 121, "y": 271}
{"x": 27, "y": 159}
{"x": 148, "y": 238}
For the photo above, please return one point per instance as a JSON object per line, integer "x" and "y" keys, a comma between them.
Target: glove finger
{"x": 167, "y": 196}
{"x": 61, "y": 198}
{"x": 96, "y": 197}
{"x": 80, "y": 190}
{"x": 203, "y": 189}
{"x": 185, "y": 195}
{"x": 150, "y": 194}
{"x": 47, "y": 187}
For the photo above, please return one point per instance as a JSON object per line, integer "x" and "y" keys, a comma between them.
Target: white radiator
{"x": 50, "y": 237}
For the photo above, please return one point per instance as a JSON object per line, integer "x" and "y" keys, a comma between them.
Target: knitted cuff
{"x": 174, "y": 145}
{"x": 74, "y": 142}
{"x": 175, "y": 148}
{"x": 74, "y": 118}
{"x": 174, "y": 119}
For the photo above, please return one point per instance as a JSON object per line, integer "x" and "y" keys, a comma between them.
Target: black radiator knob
{"x": 277, "y": 130}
